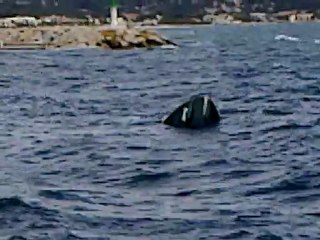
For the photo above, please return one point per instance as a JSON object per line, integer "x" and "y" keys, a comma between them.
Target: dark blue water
{"x": 83, "y": 155}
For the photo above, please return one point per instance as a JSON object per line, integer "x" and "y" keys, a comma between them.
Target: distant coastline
{"x": 253, "y": 17}
{"x": 127, "y": 19}
{"x": 61, "y": 31}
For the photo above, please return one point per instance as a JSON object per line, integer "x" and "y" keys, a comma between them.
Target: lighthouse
{"x": 114, "y": 13}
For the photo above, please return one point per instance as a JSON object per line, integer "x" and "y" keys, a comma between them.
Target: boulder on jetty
{"x": 132, "y": 38}
{"x": 82, "y": 36}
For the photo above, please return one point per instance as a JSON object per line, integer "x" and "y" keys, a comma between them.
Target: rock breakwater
{"x": 82, "y": 36}
{"x": 132, "y": 38}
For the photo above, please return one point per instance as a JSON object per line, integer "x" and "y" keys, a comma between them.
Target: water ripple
{"x": 84, "y": 156}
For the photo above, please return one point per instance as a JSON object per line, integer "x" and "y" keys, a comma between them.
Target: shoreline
{"x": 192, "y": 25}
{"x": 101, "y": 36}
{"x": 162, "y": 25}
{"x": 60, "y": 37}
{"x": 207, "y": 18}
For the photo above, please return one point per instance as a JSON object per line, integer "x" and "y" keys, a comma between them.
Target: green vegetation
{"x": 114, "y": 3}
{"x": 99, "y": 8}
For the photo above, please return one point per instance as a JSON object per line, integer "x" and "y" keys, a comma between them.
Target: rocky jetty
{"x": 82, "y": 36}
{"x": 132, "y": 38}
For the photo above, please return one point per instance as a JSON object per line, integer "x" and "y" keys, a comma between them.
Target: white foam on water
{"x": 286, "y": 38}
{"x": 168, "y": 47}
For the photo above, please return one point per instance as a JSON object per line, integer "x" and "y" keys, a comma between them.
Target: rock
{"x": 135, "y": 38}
{"x": 155, "y": 40}
{"x": 124, "y": 44}
{"x": 84, "y": 36}
{"x": 131, "y": 36}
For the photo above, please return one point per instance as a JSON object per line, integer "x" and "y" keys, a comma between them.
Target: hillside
{"x": 99, "y": 8}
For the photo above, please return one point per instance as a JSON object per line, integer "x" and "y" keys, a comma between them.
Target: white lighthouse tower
{"x": 114, "y": 13}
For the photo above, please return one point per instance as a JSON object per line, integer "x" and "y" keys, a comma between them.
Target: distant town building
{"x": 174, "y": 8}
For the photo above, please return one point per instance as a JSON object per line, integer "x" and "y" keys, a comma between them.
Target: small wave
{"x": 186, "y": 193}
{"x": 100, "y": 70}
{"x": 276, "y": 66}
{"x": 269, "y": 236}
{"x": 237, "y": 235}
{"x": 169, "y": 47}
{"x": 24, "y": 217}
{"x": 17, "y": 237}
{"x": 286, "y": 38}
{"x": 230, "y": 99}
{"x": 62, "y": 195}
{"x": 314, "y": 214}
{"x": 237, "y": 174}
{"x": 296, "y": 184}
{"x": 233, "y": 110}
{"x": 149, "y": 177}
{"x": 13, "y": 202}
{"x": 285, "y": 127}
{"x": 43, "y": 152}
{"x": 50, "y": 65}
{"x": 303, "y": 197}
{"x": 16, "y": 204}
{"x": 277, "y": 112}
{"x": 137, "y": 148}
{"x": 79, "y": 235}
{"x": 73, "y": 78}
{"x": 317, "y": 41}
